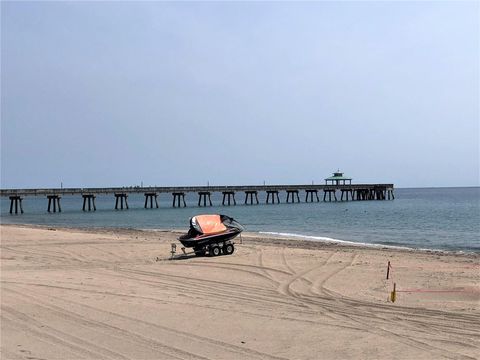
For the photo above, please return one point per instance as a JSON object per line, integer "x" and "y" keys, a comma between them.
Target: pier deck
{"x": 185, "y": 189}
{"x": 356, "y": 192}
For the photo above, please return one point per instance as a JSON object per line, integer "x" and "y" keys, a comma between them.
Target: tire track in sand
{"x": 189, "y": 337}
{"x": 285, "y": 287}
{"x": 411, "y": 324}
{"x": 365, "y": 316}
{"x": 111, "y": 331}
{"x": 210, "y": 289}
{"x": 30, "y": 325}
{"x": 318, "y": 285}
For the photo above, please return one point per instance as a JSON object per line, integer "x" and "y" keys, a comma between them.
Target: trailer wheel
{"x": 228, "y": 249}
{"x": 215, "y": 251}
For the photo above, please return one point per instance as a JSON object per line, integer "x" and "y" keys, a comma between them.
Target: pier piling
{"x": 249, "y": 194}
{"x": 177, "y": 196}
{"x": 53, "y": 202}
{"x": 294, "y": 196}
{"x": 227, "y": 195}
{"x": 90, "y": 200}
{"x": 151, "y": 196}
{"x": 346, "y": 192}
{"x": 390, "y": 193}
{"x": 329, "y": 192}
{"x": 16, "y": 201}
{"x": 121, "y": 198}
{"x": 274, "y": 194}
{"x": 363, "y": 194}
{"x": 202, "y": 195}
{"x": 379, "y": 193}
{"x": 309, "y": 194}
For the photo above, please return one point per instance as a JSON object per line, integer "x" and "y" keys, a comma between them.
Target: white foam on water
{"x": 345, "y": 242}
{"x": 333, "y": 241}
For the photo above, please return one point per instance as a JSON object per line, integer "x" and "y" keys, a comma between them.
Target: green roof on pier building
{"x": 338, "y": 179}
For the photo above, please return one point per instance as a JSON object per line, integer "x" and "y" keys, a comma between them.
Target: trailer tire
{"x": 228, "y": 249}
{"x": 215, "y": 251}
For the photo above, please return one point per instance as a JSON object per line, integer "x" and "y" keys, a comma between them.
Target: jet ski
{"x": 212, "y": 234}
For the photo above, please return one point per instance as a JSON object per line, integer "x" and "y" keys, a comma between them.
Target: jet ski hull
{"x": 210, "y": 233}
{"x": 204, "y": 240}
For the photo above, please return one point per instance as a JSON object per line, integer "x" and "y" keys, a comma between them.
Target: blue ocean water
{"x": 427, "y": 218}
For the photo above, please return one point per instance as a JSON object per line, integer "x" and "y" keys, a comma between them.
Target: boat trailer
{"x": 214, "y": 249}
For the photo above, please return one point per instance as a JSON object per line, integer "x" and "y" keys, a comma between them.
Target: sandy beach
{"x": 115, "y": 294}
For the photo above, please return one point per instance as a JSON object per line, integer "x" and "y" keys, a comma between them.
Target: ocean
{"x": 424, "y": 218}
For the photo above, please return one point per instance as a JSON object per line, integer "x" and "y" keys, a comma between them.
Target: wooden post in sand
{"x": 388, "y": 269}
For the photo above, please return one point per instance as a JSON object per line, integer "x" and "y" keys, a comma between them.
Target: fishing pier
{"x": 336, "y": 188}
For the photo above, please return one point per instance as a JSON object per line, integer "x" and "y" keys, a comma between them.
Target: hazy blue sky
{"x": 115, "y": 93}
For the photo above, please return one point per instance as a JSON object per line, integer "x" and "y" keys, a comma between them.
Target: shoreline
{"x": 289, "y": 240}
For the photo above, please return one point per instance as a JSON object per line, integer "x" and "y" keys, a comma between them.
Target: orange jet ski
{"x": 212, "y": 234}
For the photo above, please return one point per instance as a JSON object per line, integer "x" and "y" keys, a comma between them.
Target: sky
{"x": 98, "y": 94}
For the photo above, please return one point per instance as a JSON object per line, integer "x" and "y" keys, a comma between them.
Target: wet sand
{"x": 114, "y": 294}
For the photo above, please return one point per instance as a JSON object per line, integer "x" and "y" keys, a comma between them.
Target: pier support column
{"x": 273, "y": 193}
{"x": 294, "y": 194}
{"x": 250, "y": 193}
{"x": 363, "y": 194}
{"x": 177, "y": 197}
{"x": 151, "y": 196}
{"x": 16, "y": 202}
{"x": 358, "y": 192}
{"x": 120, "y": 198}
{"x": 329, "y": 192}
{"x": 379, "y": 193}
{"x": 311, "y": 192}
{"x": 390, "y": 193}
{"x": 203, "y": 195}
{"x": 227, "y": 195}
{"x": 89, "y": 199}
{"x": 346, "y": 192}
{"x": 53, "y": 202}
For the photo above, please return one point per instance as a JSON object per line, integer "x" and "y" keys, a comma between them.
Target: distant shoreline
{"x": 262, "y": 238}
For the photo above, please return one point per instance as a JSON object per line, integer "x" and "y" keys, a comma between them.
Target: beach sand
{"x": 114, "y": 294}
